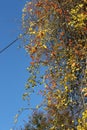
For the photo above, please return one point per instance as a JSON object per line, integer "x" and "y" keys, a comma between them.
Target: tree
{"x": 38, "y": 121}
{"x": 56, "y": 41}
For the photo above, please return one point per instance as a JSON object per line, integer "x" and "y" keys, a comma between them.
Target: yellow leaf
{"x": 45, "y": 46}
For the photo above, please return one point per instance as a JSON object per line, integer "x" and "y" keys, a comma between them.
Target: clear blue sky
{"x": 13, "y": 63}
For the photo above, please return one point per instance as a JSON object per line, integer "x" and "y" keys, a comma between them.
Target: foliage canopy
{"x": 56, "y": 40}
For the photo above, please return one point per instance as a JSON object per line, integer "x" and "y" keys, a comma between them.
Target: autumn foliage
{"x": 56, "y": 32}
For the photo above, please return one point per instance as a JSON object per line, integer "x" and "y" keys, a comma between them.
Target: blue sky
{"x": 13, "y": 63}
